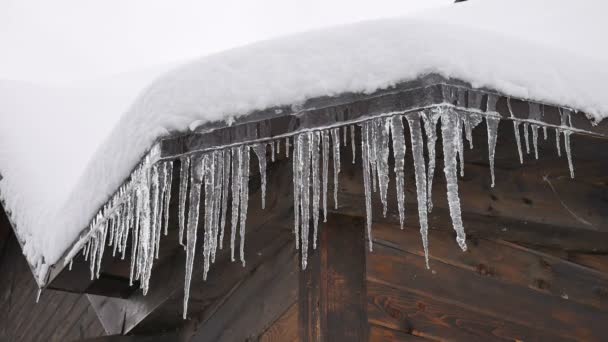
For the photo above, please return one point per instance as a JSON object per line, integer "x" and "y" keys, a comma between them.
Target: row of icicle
{"x": 220, "y": 179}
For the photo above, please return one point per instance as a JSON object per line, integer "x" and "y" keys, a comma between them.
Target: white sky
{"x": 61, "y": 41}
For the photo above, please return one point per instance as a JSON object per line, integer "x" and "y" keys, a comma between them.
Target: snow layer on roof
{"x": 524, "y": 48}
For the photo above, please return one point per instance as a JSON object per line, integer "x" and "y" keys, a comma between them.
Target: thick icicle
{"x": 470, "y": 121}
{"x": 450, "y": 132}
{"x": 316, "y": 183}
{"x": 399, "y": 149}
{"x": 225, "y": 193}
{"x": 535, "y": 139}
{"x": 244, "y": 197}
{"x": 304, "y": 156}
{"x": 420, "y": 176}
{"x": 365, "y": 153}
{"x": 208, "y": 181}
{"x": 260, "y": 152}
{"x": 272, "y": 152}
{"x": 335, "y": 137}
{"x": 382, "y": 126}
{"x": 430, "y": 119}
{"x": 183, "y": 188}
{"x": 545, "y": 135}
{"x": 325, "y": 167}
{"x": 527, "y": 136}
{"x": 516, "y": 132}
{"x": 193, "y": 212}
{"x": 236, "y": 196}
{"x": 492, "y": 122}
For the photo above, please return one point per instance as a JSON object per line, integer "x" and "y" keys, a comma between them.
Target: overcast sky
{"x": 61, "y": 41}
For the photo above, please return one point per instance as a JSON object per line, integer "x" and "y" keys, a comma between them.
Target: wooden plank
{"x": 283, "y": 329}
{"x": 486, "y": 295}
{"x": 332, "y": 288}
{"x": 382, "y": 334}
{"x": 256, "y": 303}
{"x": 514, "y": 264}
{"x": 428, "y": 317}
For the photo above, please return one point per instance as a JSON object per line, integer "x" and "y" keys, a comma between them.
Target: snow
{"x": 65, "y": 150}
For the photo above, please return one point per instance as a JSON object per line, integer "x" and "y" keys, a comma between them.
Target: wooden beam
{"x": 332, "y": 298}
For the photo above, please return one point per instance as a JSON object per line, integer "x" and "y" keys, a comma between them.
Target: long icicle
{"x": 365, "y": 158}
{"x": 184, "y": 176}
{"x": 449, "y": 133}
{"x": 430, "y": 119}
{"x": 420, "y": 176}
{"x": 399, "y": 149}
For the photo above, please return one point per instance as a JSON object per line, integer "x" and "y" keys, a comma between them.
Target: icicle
{"x": 420, "y": 176}
{"x": 527, "y": 136}
{"x": 325, "y": 167}
{"x": 345, "y": 135}
{"x": 244, "y": 198}
{"x": 516, "y": 132}
{"x": 225, "y": 193}
{"x": 304, "y": 157}
{"x": 193, "y": 212}
{"x": 209, "y": 182}
{"x": 545, "y": 132}
{"x": 382, "y": 126}
{"x": 535, "y": 139}
{"x": 365, "y": 152}
{"x": 399, "y": 149}
{"x": 70, "y": 265}
{"x": 316, "y": 183}
{"x": 287, "y": 147}
{"x": 278, "y": 147}
{"x": 568, "y": 152}
{"x": 336, "y": 143}
{"x": 430, "y": 119}
{"x": 260, "y": 152}
{"x": 459, "y": 143}
{"x": 450, "y": 132}
{"x": 236, "y": 195}
{"x": 557, "y": 142}
{"x": 271, "y": 151}
{"x": 470, "y": 121}
{"x": 352, "y": 141}
{"x": 183, "y": 188}
{"x": 492, "y": 128}
{"x": 297, "y": 186}
{"x": 38, "y": 294}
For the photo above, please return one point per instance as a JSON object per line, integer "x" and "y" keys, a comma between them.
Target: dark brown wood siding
{"x": 58, "y": 316}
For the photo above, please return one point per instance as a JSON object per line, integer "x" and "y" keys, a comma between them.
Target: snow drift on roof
{"x": 522, "y": 48}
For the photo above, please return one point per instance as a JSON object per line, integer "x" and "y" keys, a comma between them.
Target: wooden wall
{"x": 59, "y": 316}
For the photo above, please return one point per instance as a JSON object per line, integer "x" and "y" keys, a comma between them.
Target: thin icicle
{"x": 208, "y": 182}
{"x": 287, "y": 147}
{"x": 420, "y": 176}
{"x": 450, "y": 132}
{"x": 352, "y": 142}
{"x": 430, "y": 119}
{"x": 183, "y": 188}
{"x": 297, "y": 186}
{"x": 316, "y": 183}
{"x": 260, "y": 152}
{"x": 470, "y": 121}
{"x": 568, "y": 152}
{"x": 196, "y": 178}
{"x": 399, "y": 149}
{"x": 278, "y": 147}
{"x": 557, "y": 142}
{"x": 244, "y": 198}
{"x": 365, "y": 152}
{"x": 345, "y": 135}
{"x": 545, "y": 135}
{"x": 459, "y": 143}
{"x": 492, "y": 128}
{"x": 38, "y": 294}
{"x": 516, "y": 132}
{"x": 335, "y": 137}
{"x": 325, "y": 167}
{"x": 272, "y": 152}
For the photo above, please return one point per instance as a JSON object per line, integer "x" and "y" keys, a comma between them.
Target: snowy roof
{"x": 65, "y": 151}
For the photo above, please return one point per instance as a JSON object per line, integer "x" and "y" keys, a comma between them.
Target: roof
{"x": 54, "y": 189}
